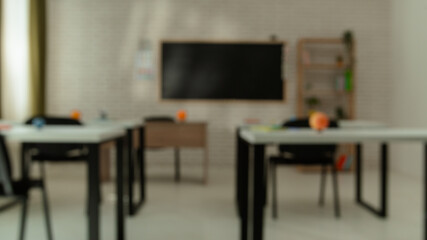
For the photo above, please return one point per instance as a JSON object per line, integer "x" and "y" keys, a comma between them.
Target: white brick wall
{"x": 409, "y": 81}
{"x": 92, "y": 44}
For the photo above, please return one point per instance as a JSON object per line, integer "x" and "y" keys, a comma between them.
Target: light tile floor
{"x": 190, "y": 210}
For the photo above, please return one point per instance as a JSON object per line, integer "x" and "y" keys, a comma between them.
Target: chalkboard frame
{"x": 204, "y": 100}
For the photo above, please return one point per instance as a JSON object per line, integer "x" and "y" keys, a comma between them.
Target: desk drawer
{"x": 175, "y": 135}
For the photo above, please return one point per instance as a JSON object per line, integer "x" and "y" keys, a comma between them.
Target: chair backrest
{"x": 5, "y": 170}
{"x": 307, "y": 149}
{"x": 55, "y": 120}
{"x": 54, "y": 150}
{"x": 159, "y": 119}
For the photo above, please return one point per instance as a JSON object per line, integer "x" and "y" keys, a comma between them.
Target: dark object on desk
{"x": 176, "y": 149}
{"x": 55, "y": 121}
{"x": 309, "y": 154}
{"x": 56, "y": 153}
{"x": 20, "y": 190}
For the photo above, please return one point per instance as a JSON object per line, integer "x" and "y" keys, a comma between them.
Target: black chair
{"x": 54, "y": 152}
{"x": 177, "y": 159}
{"x": 57, "y": 153}
{"x": 308, "y": 154}
{"x": 159, "y": 119}
{"x": 20, "y": 191}
{"x": 42, "y": 153}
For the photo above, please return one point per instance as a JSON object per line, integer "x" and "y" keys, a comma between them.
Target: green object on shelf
{"x": 348, "y": 80}
{"x": 312, "y": 101}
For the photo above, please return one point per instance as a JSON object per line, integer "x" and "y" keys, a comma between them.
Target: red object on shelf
{"x": 341, "y": 161}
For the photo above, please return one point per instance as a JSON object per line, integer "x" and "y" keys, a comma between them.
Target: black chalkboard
{"x": 241, "y": 71}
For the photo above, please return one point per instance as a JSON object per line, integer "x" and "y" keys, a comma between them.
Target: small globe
{"x": 38, "y": 123}
{"x": 319, "y": 121}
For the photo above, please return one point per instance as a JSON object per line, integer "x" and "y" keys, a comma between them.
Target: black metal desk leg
{"x": 384, "y": 180}
{"x": 93, "y": 178}
{"x": 131, "y": 170}
{"x": 141, "y": 157}
{"x": 382, "y": 211}
{"x": 359, "y": 173}
{"x": 257, "y": 192}
{"x": 136, "y": 160}
{"x": 237, "y": 168}
{"x": 177, "y": 166}
{"x": 242, "y": 164}
{"x": 25, "y": 161}
{"x": 425, "y": 191}
{"x": 242, "y": 171}
{"x": 120, "y": 192}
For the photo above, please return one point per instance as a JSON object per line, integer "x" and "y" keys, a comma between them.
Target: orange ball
{"x": 319, "y": 121}
{"x": 75, "y": 114}
{"x": 181, "y": 115}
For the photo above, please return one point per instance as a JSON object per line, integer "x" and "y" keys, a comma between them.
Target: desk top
{"x": 185, "y": 123}
{"x": 360, "y": 124}
{"x": 332, "y": 136}
{"x": 61, "y": 134}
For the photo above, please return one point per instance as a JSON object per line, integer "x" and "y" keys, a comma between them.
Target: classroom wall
{"x": 92, "y": 46}
{"x": 409, "y": 85}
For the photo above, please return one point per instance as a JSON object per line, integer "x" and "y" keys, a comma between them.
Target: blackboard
{"x": 227, "y": 71}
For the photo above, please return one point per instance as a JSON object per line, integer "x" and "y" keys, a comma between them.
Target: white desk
{"x": 93, "y": 138}
{"x": 134, "y": 138}
{"x": 251, "y": 189}
{"x": 308, "y": 136}
{"x": 61, "y": 134}
{"x": 360, "y": 124}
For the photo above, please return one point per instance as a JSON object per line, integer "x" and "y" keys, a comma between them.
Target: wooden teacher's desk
{"x": 178, "y": 135}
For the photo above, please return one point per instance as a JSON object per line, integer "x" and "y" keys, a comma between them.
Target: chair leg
{"x": 46, "y": 203}
{"x": 42, "y": 170}
{"x": 274, "y": 190}
{"x": 47, "y": 214}
{"x": 23, "y": 217}
{"x": 177, "y": 166}
{"x": 336, "y": 197}
{"x": 322, "y": 185}
{"x": 266, "y": 185}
